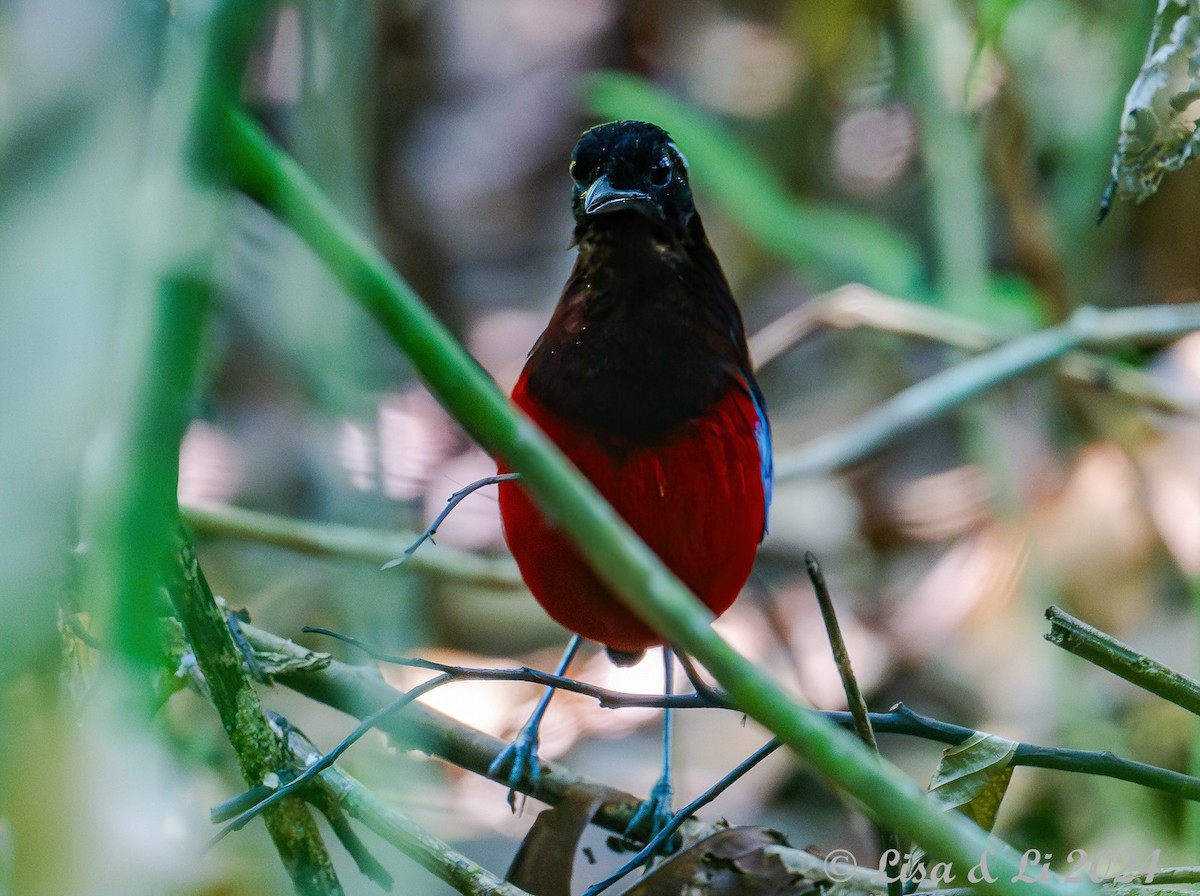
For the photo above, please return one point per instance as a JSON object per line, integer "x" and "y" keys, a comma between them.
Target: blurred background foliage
{"x": 951, "y": 154}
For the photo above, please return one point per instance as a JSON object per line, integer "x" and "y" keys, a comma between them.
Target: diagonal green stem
{"x": 617, "y": 554}
{"x": 1103, "y": 650}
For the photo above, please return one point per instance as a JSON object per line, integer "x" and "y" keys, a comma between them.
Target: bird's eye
{"x": 583, "y": 171}
{"x": 660, "y": 174}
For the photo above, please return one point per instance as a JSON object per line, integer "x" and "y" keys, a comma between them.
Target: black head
{"x": 631, "y": 166}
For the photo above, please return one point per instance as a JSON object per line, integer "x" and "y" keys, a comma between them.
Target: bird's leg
{"x": 654, "y": 814}
{"x": 520, "y": 757}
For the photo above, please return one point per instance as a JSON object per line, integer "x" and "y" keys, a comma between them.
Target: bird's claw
{"x": 651, "y": 817}
{"x": 520, "y": 759}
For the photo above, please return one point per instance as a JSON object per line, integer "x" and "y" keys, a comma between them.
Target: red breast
{"x": 696, "y": 499}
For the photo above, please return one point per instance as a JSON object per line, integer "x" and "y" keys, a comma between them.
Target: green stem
{"x": 1191, "y": 818}
{"x": 617, "y": 555}
{"x": 358, "y": 543}
{"x": 130, "y": 554}
{"x": 952, "y": 153}
{"x": 131, "y": 523}
{"x": 936, "y": 34}
{"x": 130, "y": 494}
{"x": 1103, "y": 650}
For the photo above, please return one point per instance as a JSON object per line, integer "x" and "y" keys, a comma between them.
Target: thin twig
{"x": 679, "y": 818}
{"x": 326, "y": 761}
{"x": 396, "y": 828}
{"x": 1108, "y": 653}
{"x": 443, "y": 861}
{"x": 944, "y": 391}
{"x": 1102, "y": 763}
{"x": 841, "y": 656}
{"x": 360, "y": 690}
{"x": 704, "y": 690}
{"x": 1154, "y": 392}
{"x": 889, "y": 842}
{"x": 453, "y": 501}
{"x": 366, "y": 862}
{"x": 606, "y": 698}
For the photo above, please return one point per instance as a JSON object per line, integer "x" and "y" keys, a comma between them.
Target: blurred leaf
{"x": 729, "y": 862}
{"x": 546, "y": 857}
{"x": 973, "y": 777}
{"x": 1013, "y": 306}
{"x": 991, "y": 16}
{"x": 67, "y": 163}
{"x": 831, "y": 244}
{"x": 1155, "y": 138}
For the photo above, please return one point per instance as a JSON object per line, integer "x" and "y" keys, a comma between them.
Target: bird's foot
{"x": 652, "y": 817}
{"x": 518, "y": 766}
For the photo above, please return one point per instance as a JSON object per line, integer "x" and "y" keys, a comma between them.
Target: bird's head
{"x": 631, "y": 166}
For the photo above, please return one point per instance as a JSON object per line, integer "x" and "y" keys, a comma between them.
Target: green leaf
{"x": 1155, "y": 137}
{"x": 1013, "y": 306}
{"x": 832, "y": 245}
{"x": 973, "y": 777}
{"x": 990, "y": 18}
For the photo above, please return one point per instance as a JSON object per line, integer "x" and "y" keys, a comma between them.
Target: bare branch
{"x": 337, "y": 540}
{"x": 857, "y": 704}
{"x": 258, "y": 751}
{"x": 360, "y": 691}
{"x": 856, "y": 306}
{"x": 1105, "y": 651}
{"x": 395, "y": 827}
{"x": 944, "y": 391}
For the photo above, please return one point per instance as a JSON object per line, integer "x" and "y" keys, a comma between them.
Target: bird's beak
{"x": 602, "y": 197}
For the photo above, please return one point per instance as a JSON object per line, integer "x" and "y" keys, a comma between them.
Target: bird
{"x": 643, "y": 379}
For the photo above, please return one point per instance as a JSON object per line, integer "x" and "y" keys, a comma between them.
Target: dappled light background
{"x": 972, "y": 147}
{"x": 451, "y": 138}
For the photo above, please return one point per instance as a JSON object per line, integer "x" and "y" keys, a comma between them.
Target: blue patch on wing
{"x": 762, "y": 434}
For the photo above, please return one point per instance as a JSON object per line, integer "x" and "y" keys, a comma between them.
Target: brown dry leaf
{"x": 734, "y": 862}
{"x": 546, "y": 859}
